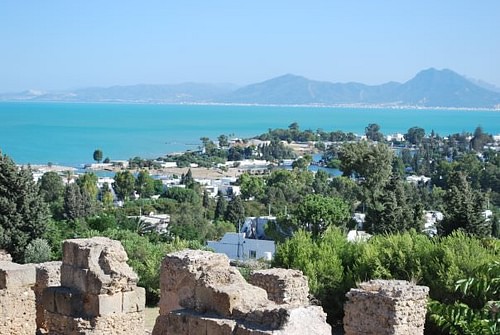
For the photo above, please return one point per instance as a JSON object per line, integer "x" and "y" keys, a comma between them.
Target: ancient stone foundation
{"x": 98, "y": 293}
{"x": 202, "y": 294}
{"x": 47, "y": 275}
{"x": 385, "y": 307}
{"x": 282, "y": 286}
{"x": 17, "y": 299}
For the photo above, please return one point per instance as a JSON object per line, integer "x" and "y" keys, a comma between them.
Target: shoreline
{"x": 334, "y": 106}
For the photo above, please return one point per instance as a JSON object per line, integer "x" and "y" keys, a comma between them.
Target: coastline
{"x": 334, "y": 106}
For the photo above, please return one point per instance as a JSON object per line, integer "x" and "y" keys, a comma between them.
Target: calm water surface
{"x": 68, "y": 133}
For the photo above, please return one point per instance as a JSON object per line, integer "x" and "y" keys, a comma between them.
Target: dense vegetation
{"x": 334, "y": 265}
{"x": 313, "y": 210}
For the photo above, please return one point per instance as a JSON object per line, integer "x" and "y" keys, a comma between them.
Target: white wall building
{"x": 237, "y": 247}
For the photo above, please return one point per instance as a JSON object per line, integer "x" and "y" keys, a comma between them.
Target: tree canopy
{"x": 23, "y": 213}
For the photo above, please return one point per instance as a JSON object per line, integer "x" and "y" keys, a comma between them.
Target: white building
{"x": 237, "y": 247}
{"x": 154, "y": 222}
{"x": 418, "y": 179}
{"x": 395, "y": 137}
{"x": 358, "y": 236}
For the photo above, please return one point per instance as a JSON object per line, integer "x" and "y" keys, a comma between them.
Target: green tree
{"x": 372, "y": 132}
{"x": 235, "y": 211}
{"x": 220, "y": 207}
{"x": 183, "y": 195}
{"x": 124, "y": 184}
{"x": 370, "y": 163}
{"x": 106, "y": 196}
{"x": 317, "y": 212}
{"x": 77, "y": 203}
{"x": 463, "y": 208}
{"x": 23, "y": 213}
{"x": 51, "y": 187}
{"x": 415, "y": 135}
{"x": 187, "y": 179}
{"x": 88, "y": 184}
{"x": 144, "y": 184}
{"x": 393, "y": 210}
{"x": 187, "y": 222}
{"x": 251, "y": 186}
{"x": 97, "y": 155}
{"x": 223, "y": 141}
{"x": 479, "y": 139}
{"x": 302, "y": 163}
{"x": 320, "y": 183}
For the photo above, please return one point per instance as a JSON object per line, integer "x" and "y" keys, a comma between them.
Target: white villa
{"x": 237, "y": 247}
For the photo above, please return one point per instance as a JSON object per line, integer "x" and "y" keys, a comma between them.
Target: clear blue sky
{"x": 62, "y": 44}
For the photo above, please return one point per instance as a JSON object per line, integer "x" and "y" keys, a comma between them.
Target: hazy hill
{"x": 429, "y": 88}
{"x": 445, "y": 88}
{"x": 179, "y": 93}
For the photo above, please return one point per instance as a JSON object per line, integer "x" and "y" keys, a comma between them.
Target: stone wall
{"x": 202, "y": 294}
{"x": 386, "y": 307}
{"x": 98, "y": 292}
{"x": 282, "y": 286}
{"x": 17, "y": 299}
{"x": 47, "y": 275}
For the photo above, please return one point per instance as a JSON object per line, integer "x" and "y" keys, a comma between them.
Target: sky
{"x": 61, "y": 44}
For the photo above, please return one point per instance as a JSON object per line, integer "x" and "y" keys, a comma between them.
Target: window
{"x": 252, "y": 254}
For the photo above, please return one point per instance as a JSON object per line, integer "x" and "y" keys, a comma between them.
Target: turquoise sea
{"x": 68, "y": 133}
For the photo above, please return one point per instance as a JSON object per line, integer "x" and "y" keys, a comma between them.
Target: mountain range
{"x": 429, "y": 88}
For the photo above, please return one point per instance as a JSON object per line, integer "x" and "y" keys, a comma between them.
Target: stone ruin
{"x": 282, "y": 286}
{"x": 386, "y": 307}
{"x": 98, "y": 293}
{"x": 47, "y": 275}
{"x": 202, "y": 294}
{"x": 94, "y": 292}
{"x": 17, "y": 299}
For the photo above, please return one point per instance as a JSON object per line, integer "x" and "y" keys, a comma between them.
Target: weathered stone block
{"x": 97, "y": 265}
{"x": 13, "y": 275}
{"x": 102, "y": 305}
{"x": 215, "y": 299}
{"x": 49, "y": 300}
{"x": 48, "y": 274}
{"x": 98, "y": 295}
{"x": 134, "y": 301}
{"x": 68, "y": 301}
{"x": 392, "y": 307}
{"x": 283, "y": 286}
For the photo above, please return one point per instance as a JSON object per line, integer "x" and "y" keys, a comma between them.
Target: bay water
{"x": 68, "y": 133}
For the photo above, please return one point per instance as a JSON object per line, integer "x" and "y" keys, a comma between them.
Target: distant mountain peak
{"x": 428, "y": 88}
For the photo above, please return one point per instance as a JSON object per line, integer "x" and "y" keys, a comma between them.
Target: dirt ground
{"x": 151, "y": 314}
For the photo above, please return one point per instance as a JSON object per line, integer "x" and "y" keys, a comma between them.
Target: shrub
{"x": 37, "y": 251}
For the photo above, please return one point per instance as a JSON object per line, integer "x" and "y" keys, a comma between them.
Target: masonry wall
{"x": 98, "y": 293}
{"x": 386, "y": 307}
{"x": 202, "y": 294}
{"x": 282, "y": 286}
{"x": 17, "y": 299}
{"x": 47, "y": 275}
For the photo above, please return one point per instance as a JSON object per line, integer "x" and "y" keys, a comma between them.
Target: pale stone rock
{"x": 13, "y": 275}
{"x": 98, "y": 294}
{"x": 386, "y": 307}
{"x": 202, "y": 294}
